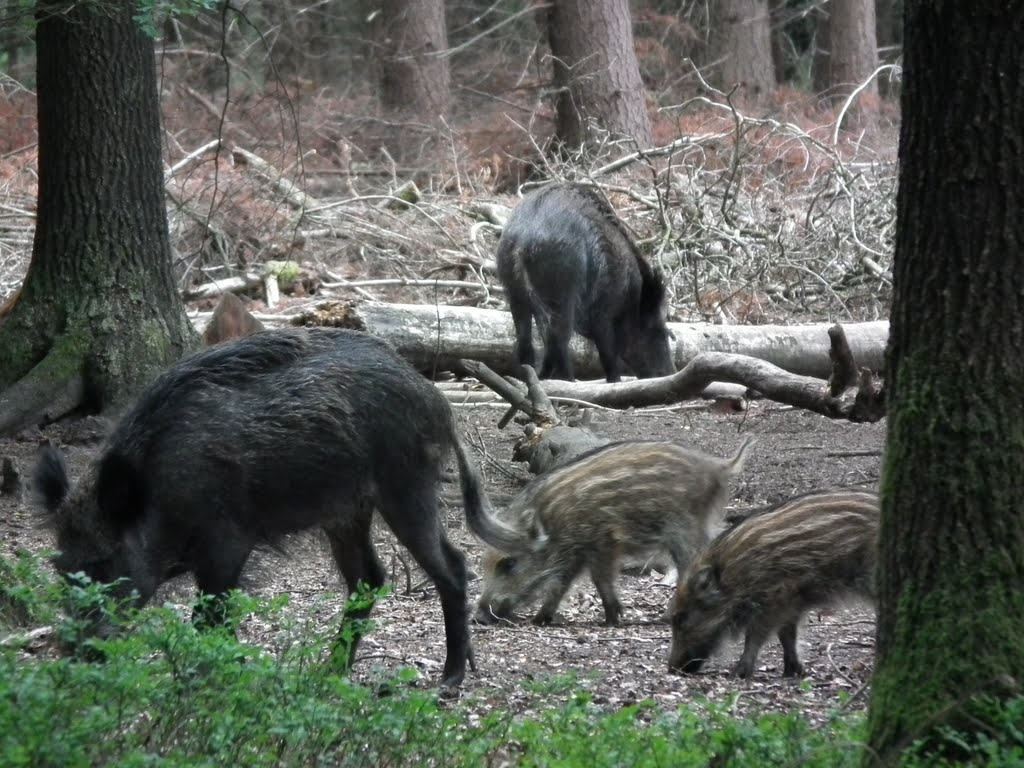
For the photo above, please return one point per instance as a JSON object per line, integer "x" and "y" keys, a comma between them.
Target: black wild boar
{"x": 768, "y": 571}
{"x": 565, "y": 258}
{"x": 630, "y": 499}
{"x": 264, "y": 436}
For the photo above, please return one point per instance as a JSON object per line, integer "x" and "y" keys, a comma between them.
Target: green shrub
{"x": 166, "y": 694}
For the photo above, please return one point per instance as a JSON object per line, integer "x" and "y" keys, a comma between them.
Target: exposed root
{"x": 42, "y": 395}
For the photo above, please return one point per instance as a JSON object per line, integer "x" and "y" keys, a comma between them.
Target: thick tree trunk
{"x": 852, "y": 53}
{"x": 415, "y": 83}
{"x": 740, "y": 47}
{"x": 596, "y": 72}
{"x": 951, "y": 604}
{"x": 414, "y": 80}
{"x": 98, "y": 314}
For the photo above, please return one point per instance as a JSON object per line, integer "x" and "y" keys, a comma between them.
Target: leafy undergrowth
{"x": 164, "y": 694}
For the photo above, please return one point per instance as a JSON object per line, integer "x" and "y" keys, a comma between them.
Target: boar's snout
{"x": 688, "y": 662}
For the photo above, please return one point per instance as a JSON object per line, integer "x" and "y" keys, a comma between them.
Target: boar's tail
{"x": 734, "y": 464}
{"x": 480, "y": 516}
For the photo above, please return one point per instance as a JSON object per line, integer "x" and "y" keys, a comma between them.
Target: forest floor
{"x": 795, "y": 452}
{"x": 781, "y": 242}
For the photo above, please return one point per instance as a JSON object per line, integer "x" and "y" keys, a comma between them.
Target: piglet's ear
{"x": 120, "y": 491}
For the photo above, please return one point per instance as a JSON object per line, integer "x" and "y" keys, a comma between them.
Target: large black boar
{"x": 630, "y": 499}
{"x": 261, "y": 437}
{"x": 565, "y": 258}
{"x": 765, "y": 574}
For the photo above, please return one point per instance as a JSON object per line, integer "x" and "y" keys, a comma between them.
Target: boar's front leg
{"x": 752, "y": 643}
{"x": 558, "y": 585}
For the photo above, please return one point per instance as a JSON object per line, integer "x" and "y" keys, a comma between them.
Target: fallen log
{"x": 435, "y": 337}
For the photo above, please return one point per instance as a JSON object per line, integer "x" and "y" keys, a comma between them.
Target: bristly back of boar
{"x": 764, "y": 574}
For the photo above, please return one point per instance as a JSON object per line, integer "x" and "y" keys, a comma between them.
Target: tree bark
{"x": 950, "y": 602}
{"x": 740, "y": 47}
{"x": 889, "y": 36}
{"x": 596, "y": 73}
{"x": 852, "y": 53}
{"x": 415, "y": 81}
{"x": 98, "y": 314}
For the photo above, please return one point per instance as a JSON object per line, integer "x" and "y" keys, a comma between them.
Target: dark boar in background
{"x": 565, "y": 258}
{"x": 254, "y": 439}
{"x": 767, "y": 572}
{"x": 632, "y": 499}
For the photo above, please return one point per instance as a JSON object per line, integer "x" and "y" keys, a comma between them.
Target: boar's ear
{"x": 506, "y": 565}
{"x": 538, "y": 536}
{"x": 652, "y": 291}
{"x": 120, "y": 490}
{"x": 50, "y": 478}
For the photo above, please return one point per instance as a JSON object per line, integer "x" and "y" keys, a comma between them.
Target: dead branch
{"x": 293, "y": 194}
{"x": 227, "y": 285}
{"x": 771, "y": 381}
{"x": 844, "y": 369}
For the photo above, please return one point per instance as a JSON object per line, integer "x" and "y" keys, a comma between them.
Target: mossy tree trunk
{"x": 951, "y": 570}
{"x": 98, "y": 315}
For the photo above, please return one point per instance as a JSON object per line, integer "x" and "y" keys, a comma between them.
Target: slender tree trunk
{"x": 98, "y": 315}
{"x": 852, "y": 52}
{"x": 740, "y": 47}
{"x": 596, "y": 72}
{"x": 889, "y": 34}
{"x": 951, "y": 602}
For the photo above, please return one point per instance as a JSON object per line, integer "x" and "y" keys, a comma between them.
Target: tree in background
{"x": 98, "y": 315}
{"x": 889, "y": 36}
{"x": 848, "y": 51}
{"x": 596, "y": 72}
{"x": 739, "y": 49}
{"x": 414, "y": 78}
{"x": 951, "y": 595}
{"x": 793, "y": 26}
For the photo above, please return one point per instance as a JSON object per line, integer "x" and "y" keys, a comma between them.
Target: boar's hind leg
{"x": 522, "y": 318}
{"x": 791, "y": 664}
{"x": 411, "y": 513}
{"x": 603, "y": 575}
